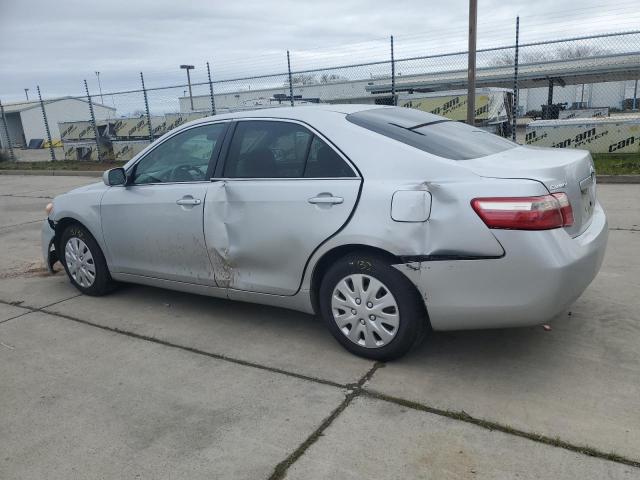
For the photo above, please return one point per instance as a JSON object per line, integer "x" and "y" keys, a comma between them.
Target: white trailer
{"x": 619, "y": 134}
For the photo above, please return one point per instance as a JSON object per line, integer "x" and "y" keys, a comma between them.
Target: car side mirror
{"x": 114, "y": 177}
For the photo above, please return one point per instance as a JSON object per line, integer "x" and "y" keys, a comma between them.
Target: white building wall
{"x": 66, "y": 110}
{"x": 344, "y": 92}
{"x": 609, "y": 94}
{"x": 15, "y": 130}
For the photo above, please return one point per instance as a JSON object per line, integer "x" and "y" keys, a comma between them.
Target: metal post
{"x": 100, "y": 87}
{"x": 146, "y": 107}
{"x": 471, "y": 90}
{"x": 213, "y": 100}
{"x": 93, "y": 121}
{"x": 550, "y": 92}
{"x": 393, "y": 76}
{"x": 46, "y": 126}
{"x": 187, "y": 68}
{"x": 190, "y": 93}
{"x": 290, "y": 81}
{"x": 6, "y": 132}
{"x": 515, "y": 81}
{"x": 635, "y": 96}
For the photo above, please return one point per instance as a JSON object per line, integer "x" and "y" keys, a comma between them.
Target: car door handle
{"x": 188, "y": 201}
{"x": 326, "y": 199}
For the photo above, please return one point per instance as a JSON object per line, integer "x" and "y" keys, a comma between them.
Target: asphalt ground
{"x": 147, "y": 383}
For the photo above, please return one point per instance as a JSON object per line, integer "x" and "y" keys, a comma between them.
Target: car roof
{"x": 301, "y": 112}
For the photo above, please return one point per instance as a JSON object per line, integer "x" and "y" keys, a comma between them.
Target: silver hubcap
{"x": 80, "y": 262}
{"x": 365, "y": 311}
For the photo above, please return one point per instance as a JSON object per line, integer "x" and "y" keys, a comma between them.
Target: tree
{"x": 505, "y": 58}
{"x": 304, "y": 79}
{"x": 331, "y": 77}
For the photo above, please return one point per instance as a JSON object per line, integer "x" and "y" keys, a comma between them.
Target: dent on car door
{"x": 282, "y": 191}
{"x": 153, "y": 226}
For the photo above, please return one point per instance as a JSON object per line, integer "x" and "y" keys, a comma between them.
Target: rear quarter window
{"x": 431, "y": 133}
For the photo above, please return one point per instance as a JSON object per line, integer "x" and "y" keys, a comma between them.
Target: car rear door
{"x": 153, "y": 226}
{"x": 281, "y": 191}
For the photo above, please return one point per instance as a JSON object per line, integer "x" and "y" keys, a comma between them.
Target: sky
{"x": 58, "y": 44}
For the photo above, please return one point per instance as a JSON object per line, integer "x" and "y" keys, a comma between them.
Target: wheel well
{"x": 61, "y": 225}
{"x": 332, "y": 255}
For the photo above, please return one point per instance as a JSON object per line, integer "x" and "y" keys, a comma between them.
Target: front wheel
{"x": 84, "y": 262}
{"x": 371, "y": 308}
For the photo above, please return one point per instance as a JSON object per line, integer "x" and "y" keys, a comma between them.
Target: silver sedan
{"x": 387, "y": 222}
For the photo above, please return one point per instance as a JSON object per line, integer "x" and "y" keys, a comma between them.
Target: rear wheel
{"x": 84, "y": 262}
{"x": 371, "y": 308}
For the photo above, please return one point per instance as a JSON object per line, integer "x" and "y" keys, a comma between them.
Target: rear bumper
{"x": 47, "y": 236}
{"x": 541, "y": 274}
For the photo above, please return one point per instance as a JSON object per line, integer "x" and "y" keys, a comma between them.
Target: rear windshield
{"x": 431, "y": 133}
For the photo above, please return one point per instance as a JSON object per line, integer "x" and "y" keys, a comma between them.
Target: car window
{"x": 430, "y": 133}
{"x": 324, "y": 162}
{"x": 182, "y": 158}
{"x": 267, "y": 149}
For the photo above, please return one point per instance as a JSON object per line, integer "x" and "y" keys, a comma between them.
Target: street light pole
{"x": 100, "y": 87}
{"x": 471, "y": 90}
{"x": 26, "y": 92}
{"x": 187, "y": 68}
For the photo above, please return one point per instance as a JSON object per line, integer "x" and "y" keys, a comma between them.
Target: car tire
{"x": 84, "y": 261}
{"x": 370, "y": 329}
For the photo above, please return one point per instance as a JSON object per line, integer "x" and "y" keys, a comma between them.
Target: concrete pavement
{"x": 146, "y": 383}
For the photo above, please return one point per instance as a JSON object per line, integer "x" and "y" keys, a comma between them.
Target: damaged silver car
{"x": 385, "y": 221}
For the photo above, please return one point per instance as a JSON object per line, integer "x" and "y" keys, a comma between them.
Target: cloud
{"x": 58, "y": 44}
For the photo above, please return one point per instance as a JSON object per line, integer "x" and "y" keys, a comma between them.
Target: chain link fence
{"x": 570, "y": 93}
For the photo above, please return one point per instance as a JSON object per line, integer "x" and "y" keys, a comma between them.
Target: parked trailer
{"x": 493, "y": 105}
{"x": 127, "y": 149}
{"x": 619, "y": 134}
{"x": 87, "y": 151}
{"x": 584, "y": 113}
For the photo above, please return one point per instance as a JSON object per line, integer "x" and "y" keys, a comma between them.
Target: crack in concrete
{"x": 165, "y": 343}
{"x": 4, "y": 227}
{"x": 354, "y": 390}
{"x": 23, "y": 196}
{"x": 490, "y": 425}
{"x": 623, "y": 229}
{"x": 32, "y": 309}
{"x": 17, "y": 316}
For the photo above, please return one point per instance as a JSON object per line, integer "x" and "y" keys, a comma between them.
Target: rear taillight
{"x": 565, "y": 208}
{"x": 525, "y": 213}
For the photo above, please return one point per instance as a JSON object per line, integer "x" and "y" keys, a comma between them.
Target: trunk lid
{"x": 560, "y": 170}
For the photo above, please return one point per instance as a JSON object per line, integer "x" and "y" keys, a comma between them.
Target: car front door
{"x": 153, "y": 225}
{"x": 281, "y": 192}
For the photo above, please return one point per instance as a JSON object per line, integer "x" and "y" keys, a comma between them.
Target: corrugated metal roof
{"x": 604, "y": 68}
{"x": 15, "y": 107}
{"x": 629, "y": 118}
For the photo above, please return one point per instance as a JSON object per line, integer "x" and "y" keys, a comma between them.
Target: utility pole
{"x": 393, "y": 77}
{"x": 514, "y": 112}
{"x": 187, "y": 68}
{"x": 99, "y": 87}
{"x": 26, "y": 92}
{"x": 471, "y": 90}
{"x": 290, "y": 77}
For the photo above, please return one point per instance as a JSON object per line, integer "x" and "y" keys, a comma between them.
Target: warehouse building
{"x": 25, "y": 123}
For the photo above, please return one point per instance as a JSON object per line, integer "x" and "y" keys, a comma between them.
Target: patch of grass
{"x": 617, "y": 163}
{"x": 61, "y": 165}
{"x": 606, "y": 164}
